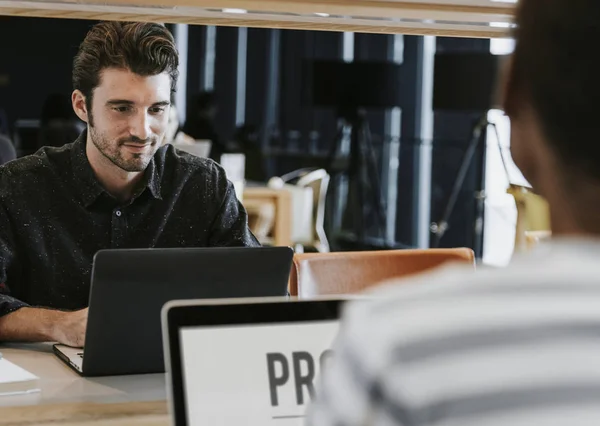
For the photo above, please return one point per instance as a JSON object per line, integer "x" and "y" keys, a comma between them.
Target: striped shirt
{"x": 518, "y": 346}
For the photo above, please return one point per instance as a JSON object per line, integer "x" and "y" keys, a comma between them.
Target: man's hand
{"x": 44, "y": 325}
{"x": 69, "y": 328}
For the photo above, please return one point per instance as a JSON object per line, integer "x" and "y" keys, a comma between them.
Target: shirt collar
{"x": 152, "y": 179}
{"x": 87, "y": 184}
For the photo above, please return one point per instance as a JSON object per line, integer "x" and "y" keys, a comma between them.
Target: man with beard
{"x": 114, "y": 187}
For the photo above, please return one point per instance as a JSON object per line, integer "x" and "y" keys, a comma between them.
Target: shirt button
{"x": 118, "y": 213}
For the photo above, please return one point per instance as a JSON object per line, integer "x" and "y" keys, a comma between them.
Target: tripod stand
{"x": 359, "y": 166}
{"x": 439, "y": 228}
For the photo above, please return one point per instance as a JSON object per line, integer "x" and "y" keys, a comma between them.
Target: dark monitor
{"x": 465, "y": 81}
{"x": 355, "y": 84}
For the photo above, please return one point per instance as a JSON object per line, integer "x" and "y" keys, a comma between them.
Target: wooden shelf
{"x": 462, "y": 18}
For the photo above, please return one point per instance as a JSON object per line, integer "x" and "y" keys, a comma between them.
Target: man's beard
{"x": 130, "y": 162}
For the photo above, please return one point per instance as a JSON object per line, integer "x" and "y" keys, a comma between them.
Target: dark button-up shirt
{"x": 55, "y": 215}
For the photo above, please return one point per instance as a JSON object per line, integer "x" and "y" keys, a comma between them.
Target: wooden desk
{"x": 88, "y": 414}
{"x": 282, "y": 200}
{"x": 67, "y": 398}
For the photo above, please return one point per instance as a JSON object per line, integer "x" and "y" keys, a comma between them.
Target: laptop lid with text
{"x": 251, "y": 362}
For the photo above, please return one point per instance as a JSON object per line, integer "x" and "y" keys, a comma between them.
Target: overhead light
{"x": 501, "y": 24}
{"x": 324, "y": 15}
{"x": 235, "y": 11}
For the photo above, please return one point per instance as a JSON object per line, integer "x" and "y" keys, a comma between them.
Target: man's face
{"x": 130, "y": 115}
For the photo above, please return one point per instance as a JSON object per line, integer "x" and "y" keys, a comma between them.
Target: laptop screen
{"x": 253, "y": 374}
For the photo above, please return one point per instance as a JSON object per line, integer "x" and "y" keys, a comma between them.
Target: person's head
{"x": 551, "y": 95}
{"x": 123, "y": 78}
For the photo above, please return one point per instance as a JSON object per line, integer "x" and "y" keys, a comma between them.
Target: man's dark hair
{"x": 555, "y": 70}
{"x": 144, "y": 48}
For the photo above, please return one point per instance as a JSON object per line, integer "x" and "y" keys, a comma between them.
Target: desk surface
{"x": 66, "y": 397}
{"x": 60, "y": 384}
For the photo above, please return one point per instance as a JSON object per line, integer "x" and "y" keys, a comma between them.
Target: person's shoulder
{"x": 458, "y": 279}
{"x": 373, "y": 321}
{"x": 391, "y": 297}
{"x": 40, "y": 162}
{"x": 452, "y": 299}
{"x": 444, "y": 285}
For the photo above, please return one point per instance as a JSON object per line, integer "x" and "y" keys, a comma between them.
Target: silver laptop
{"x": 250, "y": 361}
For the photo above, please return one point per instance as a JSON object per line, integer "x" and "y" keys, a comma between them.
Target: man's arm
{"x": 44, "y": 325}
{"x": 18, "y": 321}
{"x": 230, "y": 225}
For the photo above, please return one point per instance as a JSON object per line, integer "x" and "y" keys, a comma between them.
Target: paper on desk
{"x": 16, "y": 380}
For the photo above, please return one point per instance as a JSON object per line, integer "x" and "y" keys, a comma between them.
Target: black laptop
{"x": 130, "y": 286}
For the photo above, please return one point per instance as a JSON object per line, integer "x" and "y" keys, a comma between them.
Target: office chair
{"x": 317, "y": 274}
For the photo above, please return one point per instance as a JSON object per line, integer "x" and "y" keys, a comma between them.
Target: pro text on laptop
{"x": 250, "y": 362}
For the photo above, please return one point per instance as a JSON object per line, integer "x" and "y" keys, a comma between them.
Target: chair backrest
{"x": 316, "y": 274}
{"x": 318, "y": 180}
{"x": 302, "y": 213}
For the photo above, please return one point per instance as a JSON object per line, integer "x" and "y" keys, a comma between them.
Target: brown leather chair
{"x": 315, "y": 274}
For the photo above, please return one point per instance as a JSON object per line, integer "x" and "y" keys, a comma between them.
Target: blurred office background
{"x": 256, "y": 92}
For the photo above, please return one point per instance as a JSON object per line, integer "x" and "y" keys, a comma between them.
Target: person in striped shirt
{"x": 518, "y": 346}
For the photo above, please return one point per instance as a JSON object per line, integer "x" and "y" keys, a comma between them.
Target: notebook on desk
{"x": 129, "y": 288}
{"x": 16, "y": 380}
